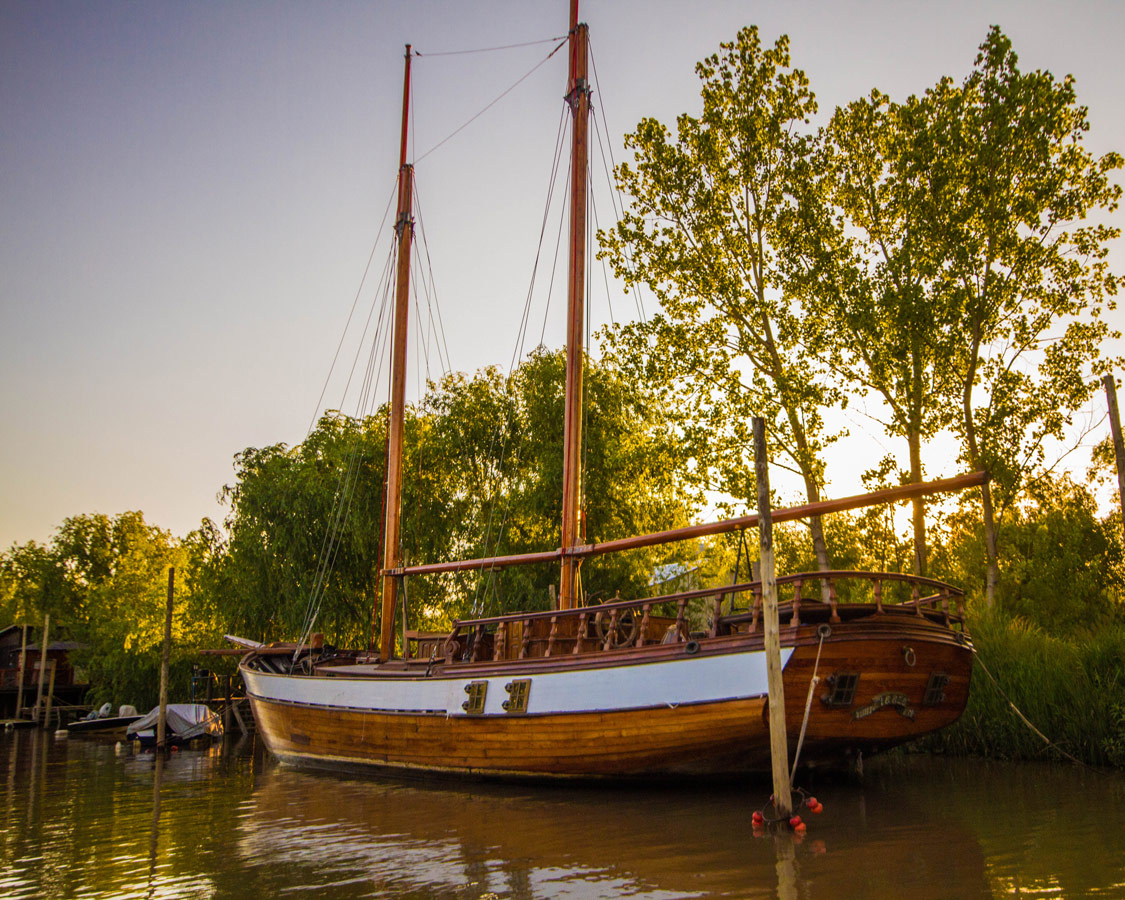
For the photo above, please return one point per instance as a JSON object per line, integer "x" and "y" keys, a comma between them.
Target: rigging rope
{"x": 1046, "y": 740}
{"x": 489, "y": 106}
{"x": 355, "y": 302}
{"x": 422, "y": 277}
{"x": 554, "y": 267}
{"x": 598, "y": 227}
{"x": 493, "y": 49}
{"x": 521, "y": 334}
{"x": 346, "y": 482}
{"x": 493, "y": 526}
{"x": 616, "y": 199}
{"x": 823, "y": 631}
{"x": 433, "y": 308}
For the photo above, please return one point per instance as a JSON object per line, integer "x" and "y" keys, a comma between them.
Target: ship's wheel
{"x": 620, "y": 632}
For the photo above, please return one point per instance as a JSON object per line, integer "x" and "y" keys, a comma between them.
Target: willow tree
{"x": 712, "y": 230}
{"x": 493, "y": 444}
{"x": 482, "y": 477}
{"x": 1024, "y": 265}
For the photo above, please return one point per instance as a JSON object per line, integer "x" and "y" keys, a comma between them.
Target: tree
{"x": 715, "y": 221}
{"x": 869, "y": 279}
{"x": 1023, "y": 267}
{"x": 483, "y": 476}
{"x": 1061, "y": 566}
{"x": 304, "y": 532}
{"x": 491, "y": 446}
{"x": 104, "y": 582}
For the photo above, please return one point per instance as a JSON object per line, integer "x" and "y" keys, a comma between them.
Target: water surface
{"x": 83, "y": 821}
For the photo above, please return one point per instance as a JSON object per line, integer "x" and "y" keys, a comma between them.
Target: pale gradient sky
{"x": 189, "y": 193}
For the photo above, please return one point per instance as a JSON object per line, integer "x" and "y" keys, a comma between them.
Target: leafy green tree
{"x": 488, "y": 476}
{"x": 716, "y": 220}
{"x": 483, "y": 476}
{"x": 1061, "y": 566}
{"x": 29, "y": 583}
{"x": 869, "y": 279}
{"x": 304, "y": 533}
{"x": 1024, "y": 266}
{"x": 104, "y": 581}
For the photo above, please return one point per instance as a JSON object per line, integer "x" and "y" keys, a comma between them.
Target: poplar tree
{"x": 1025, "y": 267}
{"x": 711, "y": 232}
{"x": 872, "y": 284}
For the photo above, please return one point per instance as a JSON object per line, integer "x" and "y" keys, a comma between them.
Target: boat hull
{"x": 112, "y": 728}
{"x": 657, "y": 711}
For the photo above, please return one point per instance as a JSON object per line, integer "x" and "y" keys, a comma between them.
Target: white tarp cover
{"x": 184, "y": 721}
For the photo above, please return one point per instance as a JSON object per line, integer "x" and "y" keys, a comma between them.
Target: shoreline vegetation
{"x": 938, "y": 262}
{"x": 1070, "y": 687}
{"x": 1054, "y": 642}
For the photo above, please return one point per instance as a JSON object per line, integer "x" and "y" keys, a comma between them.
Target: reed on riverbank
{"x": 1070, "y": 686}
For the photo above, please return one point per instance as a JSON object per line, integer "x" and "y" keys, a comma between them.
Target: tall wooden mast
{"x": 404, "y": 228}
{"x": 578, "y": 96}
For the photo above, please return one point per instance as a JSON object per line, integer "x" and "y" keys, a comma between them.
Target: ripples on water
{"x": 81, "y": 821}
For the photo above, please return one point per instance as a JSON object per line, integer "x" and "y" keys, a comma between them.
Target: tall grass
{"x": 1071, "y": 687}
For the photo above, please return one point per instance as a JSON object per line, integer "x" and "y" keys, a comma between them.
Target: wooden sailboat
{"x": 625, "y": 688}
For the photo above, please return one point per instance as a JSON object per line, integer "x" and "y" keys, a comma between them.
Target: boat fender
{"x": 691, "y": 648}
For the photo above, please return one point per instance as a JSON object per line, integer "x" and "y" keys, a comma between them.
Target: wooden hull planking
{"x": 722, "y": 732}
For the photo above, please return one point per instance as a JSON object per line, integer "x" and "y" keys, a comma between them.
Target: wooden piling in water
{"x": 42, "y": 665}
{"x": 161, "y": 723}
{"x": 54, "y": 664}
{"x": 23, "y": 667}
{"x": 779, "y": 745}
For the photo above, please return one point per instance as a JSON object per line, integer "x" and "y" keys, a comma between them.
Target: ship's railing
{"x": 622, "y": 624}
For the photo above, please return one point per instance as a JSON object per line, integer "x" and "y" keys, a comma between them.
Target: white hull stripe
{"x": 696, "y": 679}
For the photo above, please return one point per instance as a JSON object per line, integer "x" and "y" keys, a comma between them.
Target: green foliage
{"x": 303, "y": 521}
{"x": 716, "y": 215}
{"x": 1071, "y": 688}
{"x": 1028, "y": 273}
{"x": 104, "y": 582}
{"x": 483, "y": 477}
{"x": 1061, "y": 567}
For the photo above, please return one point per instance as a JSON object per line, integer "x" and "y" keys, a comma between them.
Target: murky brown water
{"x": 82, "y": 822}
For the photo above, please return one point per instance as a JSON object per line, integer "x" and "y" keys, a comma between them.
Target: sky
{"x": 190, "y": 192}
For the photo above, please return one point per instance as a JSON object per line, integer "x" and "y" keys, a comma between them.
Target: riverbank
{"x": 1071, "y": 687}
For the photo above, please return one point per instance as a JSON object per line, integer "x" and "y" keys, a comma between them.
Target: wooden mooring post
{"x": 23, "y": 668}
{"x": 779, "y": 744}
{"x": 161, "y": 723}
{"x": 42, "y": 667}
{"x": 1118, "y": 443}
{"x": 54, "y": 664}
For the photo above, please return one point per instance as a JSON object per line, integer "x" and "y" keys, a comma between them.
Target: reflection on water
{"x": 81, "y": 821}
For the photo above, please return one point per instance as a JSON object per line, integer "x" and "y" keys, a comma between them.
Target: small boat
{"x": 184, "y": 722}
{"x": 101, "y": 724}
{"x": 627, "y": 688}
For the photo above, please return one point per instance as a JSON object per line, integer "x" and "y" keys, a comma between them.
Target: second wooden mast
{"x": 392, "y": 499}
{"x": 578, "y": 97}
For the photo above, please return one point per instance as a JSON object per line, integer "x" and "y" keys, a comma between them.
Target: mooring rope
{"x": 1046, "y": 740}
{"x": 823, "y": 631}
